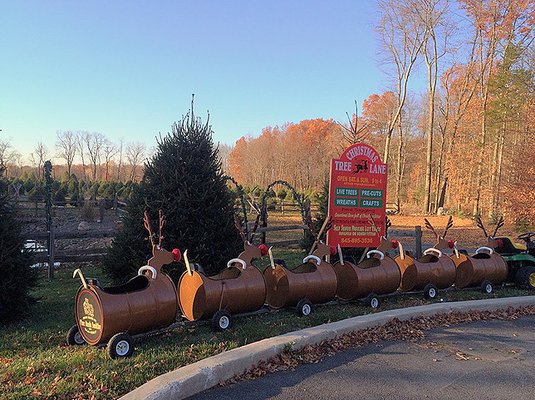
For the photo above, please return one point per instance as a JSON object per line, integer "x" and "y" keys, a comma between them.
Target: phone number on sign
{"x": 356, "y": 240}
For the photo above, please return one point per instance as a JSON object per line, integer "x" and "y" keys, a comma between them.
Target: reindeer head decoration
{"x": 250, "y": 251}
{"x": 441, "y": 243}
{"x": 319, "y": 248}
{"x": 491, "y": 242}
{"x": 385, "y": 244}
{"x": 160, "y": 256}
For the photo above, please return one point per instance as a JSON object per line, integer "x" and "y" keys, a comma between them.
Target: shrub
{"x": 87, "y": 212}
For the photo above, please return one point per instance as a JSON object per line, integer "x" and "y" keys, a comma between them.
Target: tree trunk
{"x": 399, "y": 177}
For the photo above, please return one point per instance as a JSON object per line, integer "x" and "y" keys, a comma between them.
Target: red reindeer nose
{"x": 263, "y": 249}
{"x": 177, "y": 256}
{"x": 451, "y": 244}
{"x": 499, "y": 242}
{"x": 395, "y": 244}
{"x": 333, "y": 250}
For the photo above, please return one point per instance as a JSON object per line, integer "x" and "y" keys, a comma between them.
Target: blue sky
{"x": 127, "y": 69}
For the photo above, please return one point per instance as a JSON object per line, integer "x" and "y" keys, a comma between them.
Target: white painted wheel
{"x": 221, "y": 321}
{"x": 224, "y": 322}
{"x": 122, "y": 348}
{"x": 430, "y": 292}
{"x": 374, "y": 303}
{"x": 487, "y": 287}
{"x": 304, "y": 308}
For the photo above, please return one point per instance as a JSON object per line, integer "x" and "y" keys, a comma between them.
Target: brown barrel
{"x": 235, "y": 290}
{"x": 370, "y": 276}
{"x": 472, "y": 271}
{"x": 316, "y": 283}
{"x": 429, "y": 269}
{"x": 140, "y": 305}
{"x": 409, "y": 274}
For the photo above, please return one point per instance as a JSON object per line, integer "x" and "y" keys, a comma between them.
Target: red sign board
{"x": 357, "y": 192}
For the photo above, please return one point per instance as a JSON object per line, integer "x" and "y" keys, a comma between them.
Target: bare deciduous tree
{"x": 39, "y": 157}
{"x": 135, "y": 154}
{"x": 431, "y": 14}
{"x": 5, "y": 156}
{"x": 403, "y": 37}
{"x": 80, "y": 144}
{"x": 94, "y": 142}
{"x": 109, "y": 151}
{"x": 67, "y": 148}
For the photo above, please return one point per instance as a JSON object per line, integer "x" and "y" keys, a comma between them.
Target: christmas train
{"x": 151, "y": 301}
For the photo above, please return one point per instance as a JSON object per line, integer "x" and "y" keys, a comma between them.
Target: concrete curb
{"x": 197, "y": 377}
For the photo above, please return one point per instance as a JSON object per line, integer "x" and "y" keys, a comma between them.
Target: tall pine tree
{"x": 185, "y": 180}
{"x": 18, "y": 278}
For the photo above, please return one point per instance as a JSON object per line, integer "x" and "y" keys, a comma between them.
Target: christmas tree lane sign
{"x": 357, "y": 192}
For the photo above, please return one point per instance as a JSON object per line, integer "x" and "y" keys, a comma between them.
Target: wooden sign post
{"x": 357, "y": 192}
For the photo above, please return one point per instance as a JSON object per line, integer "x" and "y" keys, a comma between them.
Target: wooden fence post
{"x": 418, "y": 241}
{"x": 50, "y": 246}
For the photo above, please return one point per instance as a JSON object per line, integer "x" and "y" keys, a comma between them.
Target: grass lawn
{"x": 36, "y": 362}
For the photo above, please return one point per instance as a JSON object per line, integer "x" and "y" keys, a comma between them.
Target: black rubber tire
{"x": 373, "y": 301}
{"x": 430, "y": 292}
{"x": 525, "y": 277}
{"x": 120, "y": 346}
{"x": 304, "y": 308}
{"x": 221, "y": 321}
{"x": 74, "y": 338}
{"x": 487, "y": 287}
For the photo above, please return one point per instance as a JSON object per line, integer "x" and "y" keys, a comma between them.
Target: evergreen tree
{"x": 18, "y": 278}
{"x": 184, "y": 179}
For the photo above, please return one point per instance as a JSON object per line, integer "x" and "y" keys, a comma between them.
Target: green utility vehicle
{"x": 520, "y": 258}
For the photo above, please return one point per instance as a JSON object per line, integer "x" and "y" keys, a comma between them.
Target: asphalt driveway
{"x": 483, "y": 360}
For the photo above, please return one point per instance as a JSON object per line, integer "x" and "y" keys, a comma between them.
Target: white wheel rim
{"x": 488, "y": 288}
{"x": 305, "y": 310}
{"x": 78, "y": 338}
{"x": 224, "y": 322}
{"x": 432, "y": 293}
{"x": 122, "y": 348}
{"x": 374, "y": 303}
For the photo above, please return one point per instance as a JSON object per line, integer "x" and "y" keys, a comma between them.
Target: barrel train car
{"x": 151, "y": 301}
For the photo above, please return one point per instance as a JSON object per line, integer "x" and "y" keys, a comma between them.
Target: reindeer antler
{"x": 255, "y": 227}
{"x": 430, "y": 227}
{"x": 373, "y": 223}
{"x": 239, "y": 227}
{"x": 146, "y": 222}
{"x": 162, "y": 224}
{"x": 448, "y": 226}
{"x": 388, "y": 224}
{"x": 498, "y": 226}
{"x": 481, "y": 226}
{"x": 326, "y": 223}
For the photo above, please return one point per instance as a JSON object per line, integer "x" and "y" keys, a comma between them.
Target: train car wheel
{"x": 430, "y": 292}
{"x": 221, "y": 321}
{"x": 304, "y": 308}
{"x": 373, "y": 301}
{"x": 487, "y": 287}
{"x": 120, "y": 346}
{"x": 74, "y": 337}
